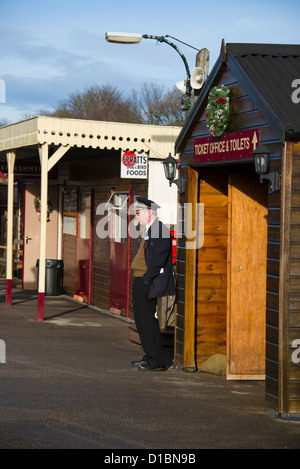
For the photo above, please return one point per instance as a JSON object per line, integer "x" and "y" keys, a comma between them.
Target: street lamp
{"x": 170, "y": 172}
{"x": 131, "y": 38}
{"x": 261, "y": 157}
{"x": 123, "y": 38}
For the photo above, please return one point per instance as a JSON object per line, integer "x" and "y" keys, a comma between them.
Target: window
{"x": 118, "y": 207}
{"x": 84, "y": 215}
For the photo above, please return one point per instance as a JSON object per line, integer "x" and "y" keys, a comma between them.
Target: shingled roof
{"x": 273, "y": 68}
{"x": 266, "y": 72}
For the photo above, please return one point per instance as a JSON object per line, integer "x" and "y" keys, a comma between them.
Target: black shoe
{"x": 138, "y": 362}
{"x": 144, "y": 366}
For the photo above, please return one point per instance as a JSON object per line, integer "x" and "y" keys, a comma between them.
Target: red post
{"x": 91, "y": 247}
{"x": 9, "y": 292}
{"x": 40, "y": 315}
{"x": 128, "y": 253}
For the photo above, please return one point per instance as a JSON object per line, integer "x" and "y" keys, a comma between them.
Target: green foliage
{"x": 217, "y": 110}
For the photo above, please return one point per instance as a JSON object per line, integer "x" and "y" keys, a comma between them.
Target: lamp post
{"x": 132, "y": 38}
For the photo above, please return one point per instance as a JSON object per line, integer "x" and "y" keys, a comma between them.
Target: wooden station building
{"x": 239, "y": 288}
{"x": 75, "y": 195}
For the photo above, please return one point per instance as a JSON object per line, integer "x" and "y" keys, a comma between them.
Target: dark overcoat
{"x": 158, "y": 257}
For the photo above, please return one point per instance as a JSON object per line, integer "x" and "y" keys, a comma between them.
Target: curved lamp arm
{"x": 188, "y": 92}
{"x": 130, "y": 38}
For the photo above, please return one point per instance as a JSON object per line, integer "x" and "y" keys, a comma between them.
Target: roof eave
{"x": 277, "y": 125}
{"x": 157, "y": 140}
{"x": 292, "y": 136}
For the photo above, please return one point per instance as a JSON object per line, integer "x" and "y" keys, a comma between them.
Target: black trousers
{"x": 146, "y": 322}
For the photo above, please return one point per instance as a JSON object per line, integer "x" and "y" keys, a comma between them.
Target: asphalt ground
{"x": 68, "y": 383}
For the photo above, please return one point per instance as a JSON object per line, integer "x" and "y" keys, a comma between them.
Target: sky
{"x": 50, "y": 49}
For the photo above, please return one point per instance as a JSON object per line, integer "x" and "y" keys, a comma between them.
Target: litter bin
{"x": 54, "y": 270}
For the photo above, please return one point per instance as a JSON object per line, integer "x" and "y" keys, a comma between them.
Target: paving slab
{"x": 68, "y": 384}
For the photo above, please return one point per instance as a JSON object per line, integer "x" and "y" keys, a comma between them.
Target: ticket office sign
{"x": 228, "y": 147}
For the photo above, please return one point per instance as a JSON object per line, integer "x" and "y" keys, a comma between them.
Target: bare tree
{"x": 160, "y": 107}
{"x": 151, "y": 105}
{"x": 3, "y": 122}
{"x": 98, "y": 103}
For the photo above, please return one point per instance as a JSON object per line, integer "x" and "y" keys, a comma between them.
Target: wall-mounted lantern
{"x": 170, "y": 165}
{"x": 261, "y": 157}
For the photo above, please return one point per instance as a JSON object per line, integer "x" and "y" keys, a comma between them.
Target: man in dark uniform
{"x": 153, "y": 278}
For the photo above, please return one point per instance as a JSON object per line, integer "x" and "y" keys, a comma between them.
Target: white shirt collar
{"x": 149, "y": 224}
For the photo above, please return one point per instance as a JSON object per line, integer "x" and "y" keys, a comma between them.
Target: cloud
{"x": 58, "y": 47}
{"x": 38, "y": 76}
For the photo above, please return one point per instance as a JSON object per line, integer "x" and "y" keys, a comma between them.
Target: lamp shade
{"x": 261, "y": 159}
{"x": 123, "y": 38}
{"x": 170, "y": 167}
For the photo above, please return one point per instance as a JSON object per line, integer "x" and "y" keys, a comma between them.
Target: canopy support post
{"x": 11, "y": 158}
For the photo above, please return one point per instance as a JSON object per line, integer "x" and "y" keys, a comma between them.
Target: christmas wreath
{"x": 217, "y": 110}
{"x": 37, "y": 206}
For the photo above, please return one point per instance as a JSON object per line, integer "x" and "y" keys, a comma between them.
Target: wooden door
{"x": 119, "y": 248}
{"x": 83, "y": 247}
{"x": 31, "y": 241}
{"x": 246, "y": 297}
{"x": 211, "y": 275}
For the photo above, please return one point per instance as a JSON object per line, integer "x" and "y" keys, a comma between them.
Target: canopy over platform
{"x": 62, "y": 134}
{"x": 157, "y": 140}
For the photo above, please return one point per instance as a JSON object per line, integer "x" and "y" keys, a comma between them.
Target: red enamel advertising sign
{"x": 134, "y": 165}
{"x": 228, "y": 147}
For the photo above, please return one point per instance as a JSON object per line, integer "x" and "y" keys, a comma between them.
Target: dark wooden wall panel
{"x": 292, "y": 396}
{"x": 69, "y": 251}
{"x": 102, "y": 174}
